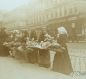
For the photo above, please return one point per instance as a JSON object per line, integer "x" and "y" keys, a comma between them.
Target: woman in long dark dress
{"x": 62, "y": 62}
{"x": 4, "y": 51}
{"x": 44, "y": 54}
{"x": 33, "y": 55}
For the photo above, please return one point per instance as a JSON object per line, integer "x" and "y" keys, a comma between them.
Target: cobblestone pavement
{"x": 77, "y": 52}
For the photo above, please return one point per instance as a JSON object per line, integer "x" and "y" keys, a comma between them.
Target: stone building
{"x": 68, "y": 13}
{"x": 51, "y": 13}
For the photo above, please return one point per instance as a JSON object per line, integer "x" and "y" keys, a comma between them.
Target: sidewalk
{"x": 14, "y": 69}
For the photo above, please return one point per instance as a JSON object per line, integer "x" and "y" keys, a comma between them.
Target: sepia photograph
{"x": 42, "y": 39}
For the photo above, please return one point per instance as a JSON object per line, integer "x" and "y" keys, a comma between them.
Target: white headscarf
{"x": 62, "y": 30}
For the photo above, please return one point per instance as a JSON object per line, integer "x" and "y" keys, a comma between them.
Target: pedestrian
{"x": 33, "y": 35}
{"x": 62, "y": 62}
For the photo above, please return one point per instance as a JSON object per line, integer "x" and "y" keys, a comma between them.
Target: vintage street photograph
{"x": 42, "y": 39}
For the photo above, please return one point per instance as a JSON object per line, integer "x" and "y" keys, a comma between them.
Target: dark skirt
{"x": 4, "y": 51}
{"x": 62, "y": 63}
{"x": 32, "y": 55}
{"x": 44, "y": 58}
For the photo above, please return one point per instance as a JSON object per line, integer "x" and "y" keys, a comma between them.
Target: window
{"x": 65, "y": 11}
{"x": 75, "y": 10}
{"x": 70, "y": 11}
{"x": 60, "y": 12}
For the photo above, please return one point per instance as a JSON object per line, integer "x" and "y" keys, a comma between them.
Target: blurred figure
{"x": 33, "y": 35}
{"x": 44, "y": 54}
{"x": 73, "y": 34}
{"x": 4, "y": 51}
{"x": 24, "y": 36}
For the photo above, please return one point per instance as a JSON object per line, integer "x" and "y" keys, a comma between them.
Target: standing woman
{"x": 44, "y": 54}
{"x": 62, "y": 62}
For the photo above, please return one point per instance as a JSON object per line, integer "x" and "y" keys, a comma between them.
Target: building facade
{"x": 51, "y": 13}
{"x": 68, "y": 13}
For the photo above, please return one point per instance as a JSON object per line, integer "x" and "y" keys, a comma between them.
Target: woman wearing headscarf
{"x": 62, "y": 62}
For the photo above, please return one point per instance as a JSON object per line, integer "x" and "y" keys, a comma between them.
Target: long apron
{"x": 62, "y": 63}
{"x": 44, "y": 58}
{"x": 32, "y": 55}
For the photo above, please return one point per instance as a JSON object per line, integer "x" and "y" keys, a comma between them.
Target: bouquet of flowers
{"x": 44, "y": 44}
{"x": 31, "y": 43}
{"x": 35, "y": 44}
